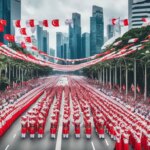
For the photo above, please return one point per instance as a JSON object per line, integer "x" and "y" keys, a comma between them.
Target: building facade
{"x": 85, "y": 45}
{"x": 9, "y": 10}
{"x": 45, "y": 41}
{"x": 110, "y": 31}
{"x": 96, "y": 30}
{"x": 59, "y": 42}
{"x": 138, "y": 9}
{"x": 75, "y": 36}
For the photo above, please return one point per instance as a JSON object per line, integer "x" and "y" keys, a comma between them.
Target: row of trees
{"x": 133, "y": 69}
{"x": 16, "y": 71}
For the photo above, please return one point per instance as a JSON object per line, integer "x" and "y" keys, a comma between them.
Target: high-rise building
{"x": 138, "y": 9}
{"x": 59, "y": 42}
{"x": 85, "y": 45}
{"x": 9, "y": 10}
{"x": 96, "y": 30}
{"x": 41, "y": 39}
{"x": 75, "y": 36}
{"x": 130, "y": 2}
{"x": 45, "y": 41}
{"x": 39, "y": 36}
{"x": 110, "y": 31}
{"x": 15, "y": 13}
{"x": 62, "y": 42}
{"x": 52, "y": 53}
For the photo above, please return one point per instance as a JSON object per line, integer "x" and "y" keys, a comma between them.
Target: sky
{"x": 63, "y": 9}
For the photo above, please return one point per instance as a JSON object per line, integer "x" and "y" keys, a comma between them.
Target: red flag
{"x": 1, "y": 28}
{"x": 3, "y": 22}
{"x": 34, "y": 48}
{"x": 55, "y": 23}
{"x": 114, "y": 21}
{"x": 9, "y": 37}
{"x": 23, "y": 45}
{"x": 45, "y": 23}
{"x": 23, "y": 31}
{"x": 124, "y": 22}
{"x": 28, "y": 39}
{"x": 31, "y": 23}
{"x": 18, "y": 23}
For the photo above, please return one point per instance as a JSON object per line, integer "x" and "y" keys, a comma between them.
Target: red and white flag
{"x": 133, "y": 40}
{"x": 23, "y": 31}
{"x": 56, "y": 23}
{"x": 23, "y": 45}
{"x": 1, "y": 28}
{"x": 31, "y": 23}
{"x": 114, "y": 21}
{"x": 44, "y": 23}
{"x": 3, "y": 22}
{"x": 28, "y": 39}
{"x": 17, "y": 23}
{"x": 124, "y": 22}
{"x": 9, "y": 37}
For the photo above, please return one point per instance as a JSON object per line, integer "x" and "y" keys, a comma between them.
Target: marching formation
{"x": 71, "y": 103}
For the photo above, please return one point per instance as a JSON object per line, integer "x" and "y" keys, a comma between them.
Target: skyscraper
{"x": 59, "y": 41}
{"x": 45, "y": 41}
{"x": 15, "y": 13}
{"x": 96, "y": 30}
{"x": 75, "y": 36}
{"x": 110, "y": 31}
{"x": 130, "y": 2}
{"x": 62, "y": 42}
{"x": 39, "y": 32}
{"x": 85, "y": 45}
{"x": 41, "y": 39}
{"x": 9, "y": 10}
{"x": 138, "y": 9}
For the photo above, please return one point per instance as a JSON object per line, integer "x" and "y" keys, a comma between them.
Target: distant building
{"x": 39, "y": 36}
{"x": 138, "y": 9}
{"x": 52, "y": 53}
{"x": 9, "y": 10}
{"x": 110, "y": 31}
{"x": 45, "y": 41}
{"x": 75, "y": 37}
{"x": 130, "y": 2}
{"x": 59, "y": 42}
{"x": 85, "y": 45}
{"x": 62, "y": 42}
{"x": 96, "y": 30}
{"x": 41, "y": 39}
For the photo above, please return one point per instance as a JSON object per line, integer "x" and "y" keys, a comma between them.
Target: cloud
{"x": 63, "y": 9}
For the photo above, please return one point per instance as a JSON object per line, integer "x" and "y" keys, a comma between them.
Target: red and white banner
{"x": 133, "y": 40}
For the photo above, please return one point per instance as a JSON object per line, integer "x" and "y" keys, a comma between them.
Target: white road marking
{"x": 14, "y": 136}
{"x": 59, "y": 137}
{"x": 7, "y": 147}
{"x": 93, "y": 145}
{"x": 106, "y": 142}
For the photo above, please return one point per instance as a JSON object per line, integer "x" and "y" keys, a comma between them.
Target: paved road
{"x": 12, "y": 141}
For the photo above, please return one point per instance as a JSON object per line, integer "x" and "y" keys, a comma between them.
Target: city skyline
{"x": 64, "y": 11}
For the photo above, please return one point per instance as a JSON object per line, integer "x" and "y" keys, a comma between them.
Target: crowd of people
{"x": 73, "y": 101}
{"x": 137, "y": 105}
{"x": 11, "y": 94}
